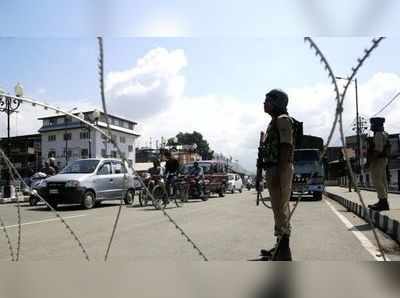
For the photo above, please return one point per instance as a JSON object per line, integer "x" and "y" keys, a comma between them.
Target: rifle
{"x": 260, "y": 165}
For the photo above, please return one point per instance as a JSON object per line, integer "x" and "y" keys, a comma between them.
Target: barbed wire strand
{"x": 388, "y": 104}
{"x": 67, "y": 226}
{"x": 19, "y": 218}
{"x": 10, "y": 247}
{"x": 46, "y": 106}
{"x": 103, "y": 100}
{"x": 338, "y": 116}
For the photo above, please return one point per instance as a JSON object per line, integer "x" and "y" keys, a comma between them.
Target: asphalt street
{"x": 232, "y": 228}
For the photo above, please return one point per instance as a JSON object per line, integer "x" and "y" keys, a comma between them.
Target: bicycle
{"x": 162, "y": 194}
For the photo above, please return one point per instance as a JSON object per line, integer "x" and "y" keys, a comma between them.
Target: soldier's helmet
{"x": 376, "y": 122}
{"x": 277, "y": 98}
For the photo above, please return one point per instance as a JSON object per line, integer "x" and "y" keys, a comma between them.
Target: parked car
{"x": 215, "y": 177}
{"x": 234, "y": 183}
{"x": 89, "y": 182}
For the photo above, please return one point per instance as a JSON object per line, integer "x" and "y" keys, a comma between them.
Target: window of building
{"x": 121, "y": 123}
{"x": 103, "y": 153}
{"x": 67, "y": 136}
{"x": 130, "y": 126}
{"x": 68, "y": 152}
{"x": 52, "y": 138}
{"x": 84, "y": 135}
{"x": 113, "y": 153}
{"x": 84, "y": 153}
{"x": 67, "y": 119}
{"x": 114, "y": 138}
{"x": 122, "y": 139}
{"x": 130, "y": 148}
{"x": 52, "y": 121}
{"x": 52, "y": 153}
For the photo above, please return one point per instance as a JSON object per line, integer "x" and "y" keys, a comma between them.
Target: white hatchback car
{"x": 234, "y": 183}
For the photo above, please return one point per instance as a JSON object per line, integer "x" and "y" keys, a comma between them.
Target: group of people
{"x": 171, "y": 170}
{"x": 278, "y": 164}
{"x": 50, "y": 167}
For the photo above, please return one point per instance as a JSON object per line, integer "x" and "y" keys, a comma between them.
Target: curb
{"x": 387, "y": 225}
{"x": 14, "y": 200}
{"x": 371, "y": 189}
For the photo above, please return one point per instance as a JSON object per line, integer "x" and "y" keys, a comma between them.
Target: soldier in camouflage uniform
{"x": 378, "y": 154}
{"x": 278, "y": 163}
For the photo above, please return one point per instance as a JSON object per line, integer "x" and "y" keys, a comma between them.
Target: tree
{"x": 203, "y": 148}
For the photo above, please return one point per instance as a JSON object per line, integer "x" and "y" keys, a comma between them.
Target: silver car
{"x": 90, "y": 181}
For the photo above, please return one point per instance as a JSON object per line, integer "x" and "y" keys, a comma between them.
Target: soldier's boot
{"x": 283, "y": 252}
{"x": 382, "y": 205}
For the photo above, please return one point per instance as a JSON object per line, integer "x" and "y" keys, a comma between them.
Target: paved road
{"x": 232, "y": 228}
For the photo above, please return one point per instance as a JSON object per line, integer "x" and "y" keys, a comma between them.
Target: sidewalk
{"x": 21, "y": 197}
{"x": 387, "y": 221}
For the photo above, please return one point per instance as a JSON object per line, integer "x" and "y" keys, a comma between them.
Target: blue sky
{"x": 242, "y": 67}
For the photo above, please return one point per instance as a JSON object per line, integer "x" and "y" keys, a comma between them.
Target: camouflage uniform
{"x": 378, "y": 162}
{"x": 378, "y": 166}
{"x": 279, "y": 179}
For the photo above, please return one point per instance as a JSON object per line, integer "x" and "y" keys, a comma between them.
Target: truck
{"x": 309, "y": 169}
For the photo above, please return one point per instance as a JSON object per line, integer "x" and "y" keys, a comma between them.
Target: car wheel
{"x": 53, "y": 203}
{"x": 129, "y": 197}
{"x": 159, "y": 197}
{"x": 221, "y": 193}
{"x": 33, "y": 200}
{"x": 241, "y": 189}
{"x": 317, "y": 196}
{"x": 233, "y": 189}
{"x": 89, "y": 200}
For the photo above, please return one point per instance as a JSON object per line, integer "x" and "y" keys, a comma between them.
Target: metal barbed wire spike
{"x": 338, "y": 116}
{"x": 103, "y": 100}
{"x": 10, "y": 165}
{"x": 331, "y": 75}
{"x": 10, "y": 247}
{"x": 19, "y": 218}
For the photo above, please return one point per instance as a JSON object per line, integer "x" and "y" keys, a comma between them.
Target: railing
{"x": 366, "y": 181}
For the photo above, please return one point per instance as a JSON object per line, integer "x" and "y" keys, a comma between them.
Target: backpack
{"x": 297, "y": 131}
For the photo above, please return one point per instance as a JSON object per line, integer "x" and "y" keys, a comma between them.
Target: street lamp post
{"x": 10, "y": 105}
{"x": 67, "y": 118}
{"x": 359, "y": 149}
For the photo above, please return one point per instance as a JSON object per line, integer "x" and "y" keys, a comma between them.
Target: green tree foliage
{"x": 203, "y": 148}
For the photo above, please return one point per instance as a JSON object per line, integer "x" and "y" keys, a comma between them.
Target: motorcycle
{"x": 38, "y": 185}
{"x": 197, "y": 188}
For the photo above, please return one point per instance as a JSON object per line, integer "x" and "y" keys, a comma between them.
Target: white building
{"x": 68, "y": 139}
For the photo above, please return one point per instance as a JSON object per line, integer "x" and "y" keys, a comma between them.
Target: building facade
{"x": 25, "y": 153}
{"x": 68, "y": 139}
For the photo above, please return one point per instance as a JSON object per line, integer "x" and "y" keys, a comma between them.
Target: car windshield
{"x": 81, "y": 167}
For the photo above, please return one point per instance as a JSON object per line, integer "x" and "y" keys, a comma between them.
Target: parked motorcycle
{"x": 38, "y": 185}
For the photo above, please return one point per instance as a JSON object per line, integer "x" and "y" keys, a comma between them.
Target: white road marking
{"x": 46, "y": 220}
{"x": 371, "y": 248}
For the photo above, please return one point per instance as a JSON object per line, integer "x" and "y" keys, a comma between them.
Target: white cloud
{"x": 153, "y": 93}
{"x": 150, "y": 86}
